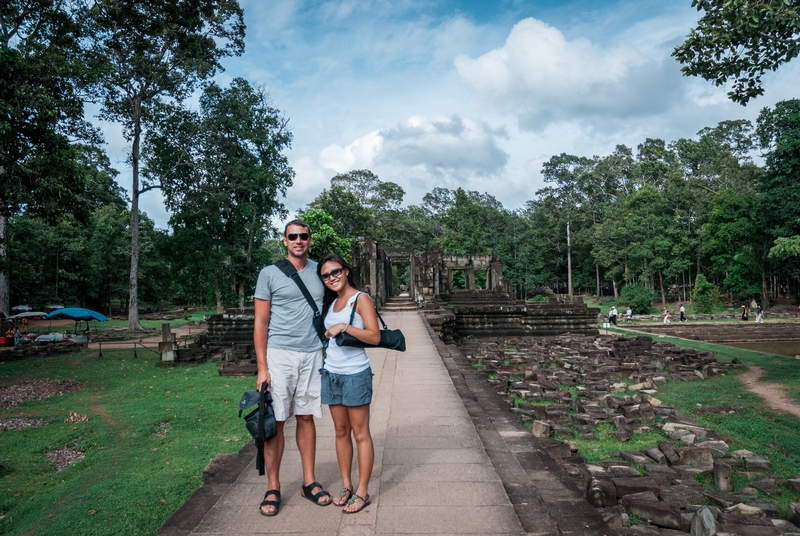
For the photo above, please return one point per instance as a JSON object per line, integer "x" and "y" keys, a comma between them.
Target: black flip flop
{"x": 265, "y": 502}
{"x": 346, "y": 492}
{"x": 353, "y": 498}
{"x": 305, "y": 491}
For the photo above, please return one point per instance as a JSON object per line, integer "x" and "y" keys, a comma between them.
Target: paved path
{"x": 432, "y": 473}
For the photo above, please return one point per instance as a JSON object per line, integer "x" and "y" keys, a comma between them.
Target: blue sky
{"x": 470, "y": 94}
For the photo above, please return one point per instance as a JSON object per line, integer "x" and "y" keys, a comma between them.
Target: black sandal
{"x": 346, "y": 492}
{"x": 265, "y": 502}
{"x": 305, "y": 491}
{"x": 353, "y": 499}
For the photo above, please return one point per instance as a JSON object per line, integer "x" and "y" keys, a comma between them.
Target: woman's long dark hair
{"x": 330, "y": 295}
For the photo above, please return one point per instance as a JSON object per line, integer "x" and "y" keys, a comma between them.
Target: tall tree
{"x": 741, "y": 41}
{"x": 41, "y": 112}
{"x": 151, "y": 51}
{"x": 223, "y": 173}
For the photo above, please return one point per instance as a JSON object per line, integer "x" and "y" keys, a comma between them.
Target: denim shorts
{"x": 347, "y": 389}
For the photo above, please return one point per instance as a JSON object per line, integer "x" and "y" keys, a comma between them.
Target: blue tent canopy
{"x": 77, "y": 313}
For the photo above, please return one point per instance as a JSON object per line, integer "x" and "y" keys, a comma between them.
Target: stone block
{"x": 767, "y": 486}
{"x": 635, "y": 457}
{"x": 722, "y": 476}
{"x": 601, "y": 492}
{"x": 793, "y": 483}
{"x": 657, "y": 513}
{"x": 642, "y": 496}
{"x": 541, "y": 429}
{"x": 669, "y": 452}
{"x": 695, "y": 456}
{"x": 769, "y": 508}
{"x": 722, "y": 498}
{"x": 703, "y": 523}
{"x": 628, "y": 485}
{"x": 656, "y": 455}
{"x": 559, "y": 451}
{"x": 793, "y": 513}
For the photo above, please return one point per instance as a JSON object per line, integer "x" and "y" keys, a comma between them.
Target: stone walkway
{"x": 448, "y": 460}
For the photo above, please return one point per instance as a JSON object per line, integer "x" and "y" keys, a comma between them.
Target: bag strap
{"x": 261, "y": 437}
{"x": 290, "y": 271}
{"x": 353, "y": 312}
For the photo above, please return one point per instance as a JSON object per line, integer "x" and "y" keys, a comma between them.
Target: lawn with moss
{"x": 150, "y": 432}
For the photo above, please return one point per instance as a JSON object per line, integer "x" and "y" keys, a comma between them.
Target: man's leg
{"x": 273, "y": 454}
{"x": 307, "y": 445}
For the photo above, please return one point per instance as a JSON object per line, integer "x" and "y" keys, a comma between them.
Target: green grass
{"x": 132, "y": 479}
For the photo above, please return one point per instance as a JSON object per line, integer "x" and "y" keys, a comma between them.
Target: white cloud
{"x": 540, "y": 77}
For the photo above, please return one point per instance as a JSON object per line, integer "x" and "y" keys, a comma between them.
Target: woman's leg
{"x": 359, "y": 420}
{"x": 344, "y": 448}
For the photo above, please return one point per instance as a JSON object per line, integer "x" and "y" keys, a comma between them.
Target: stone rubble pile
{"x": 568, "y": 385}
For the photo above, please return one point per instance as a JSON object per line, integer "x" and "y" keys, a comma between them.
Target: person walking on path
{"x": 683, "y": 314}
{"x": 347, "y": 377}
{"x": 665, "y": 314}
{"x": 288, "y": 356}
{"x": 744, "y": 312}
{"x": 612, "y": 315}
{"x": 17, "y": 336}
{"x": 760, "y": 315}
{"x": 629, "y": 314}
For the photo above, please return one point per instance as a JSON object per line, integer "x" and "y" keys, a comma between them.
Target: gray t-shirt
{"x": 290, "y": 324}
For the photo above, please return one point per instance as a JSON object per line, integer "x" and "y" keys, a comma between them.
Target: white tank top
{"x": 344, "y": 359}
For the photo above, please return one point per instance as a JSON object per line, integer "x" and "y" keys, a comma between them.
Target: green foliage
{"x": 325, "y": 238}
{"x": 150, "y": 433}
{"x": 786, "y": 247}
{"x": 638, "y": 297}
{"x": 741, "y": 41}
{"x": 706, "y": 296}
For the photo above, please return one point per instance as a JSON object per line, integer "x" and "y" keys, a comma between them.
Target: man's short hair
{"x": 301, "y": 223}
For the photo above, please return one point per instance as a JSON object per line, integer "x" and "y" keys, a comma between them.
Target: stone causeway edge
{"x": 545, "y": 499}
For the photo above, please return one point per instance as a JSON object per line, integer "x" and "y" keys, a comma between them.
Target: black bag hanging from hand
{"x": 260, "y": 422}
{"x": 393, "y": 339}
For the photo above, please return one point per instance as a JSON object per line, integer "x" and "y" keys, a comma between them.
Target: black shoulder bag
{"x": 393, "y": 339}
{"x": 319, "y": 325}
{"x": 260, "y": 422}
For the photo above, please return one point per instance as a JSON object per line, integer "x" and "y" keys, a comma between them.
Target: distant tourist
{"x": 665, "y": 314}
{"x": 612, "y": 315}
{"x": 629, "y": 314}
{"x": 347, "y": 377}
{"x": 683, "y": 314}
{"x": 744, "y": 312}
{"x": 17, "y": 336}
{"x": 760, "y": 315}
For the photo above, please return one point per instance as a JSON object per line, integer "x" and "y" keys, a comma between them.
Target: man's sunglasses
{"x": 333, "y": 273}
{"x": 294, "y": 236}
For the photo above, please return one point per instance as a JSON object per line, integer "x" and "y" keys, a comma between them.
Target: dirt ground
{"x": 773, "y": 394}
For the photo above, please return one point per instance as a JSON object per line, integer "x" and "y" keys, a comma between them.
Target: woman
{"x": 347, "y": 376}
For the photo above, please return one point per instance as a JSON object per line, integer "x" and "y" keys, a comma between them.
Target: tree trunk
{"x": 218, "y": 294}
{"x": 616, "y": 292}
{"x": 661, "y": 284}
{"x": 569, "y": 264}
{"x": 597, "y": 278}
{"x": 764, "y": 290}
{"x": 133, "y": 287}
{"x": 5, "y": 306}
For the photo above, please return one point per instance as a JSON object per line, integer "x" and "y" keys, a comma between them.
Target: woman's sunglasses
{"x": 294, "y": 236}
{"x": 333, "y": 273}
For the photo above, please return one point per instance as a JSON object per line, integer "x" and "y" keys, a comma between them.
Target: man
{"x": 289, "y": 356}
{"x": 683, "y": 313}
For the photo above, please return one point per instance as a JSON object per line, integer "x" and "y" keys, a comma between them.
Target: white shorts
{"x": 295, "y": 382}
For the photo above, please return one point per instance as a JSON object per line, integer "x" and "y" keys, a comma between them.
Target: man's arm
{"x": 260, "y": 335}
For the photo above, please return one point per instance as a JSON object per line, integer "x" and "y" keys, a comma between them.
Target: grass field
{"x": 44, "y": 326}
{"x": 150, "y": 432}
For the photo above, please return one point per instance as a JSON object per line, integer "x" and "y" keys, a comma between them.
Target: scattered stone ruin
{"x": 570, "y": 386}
